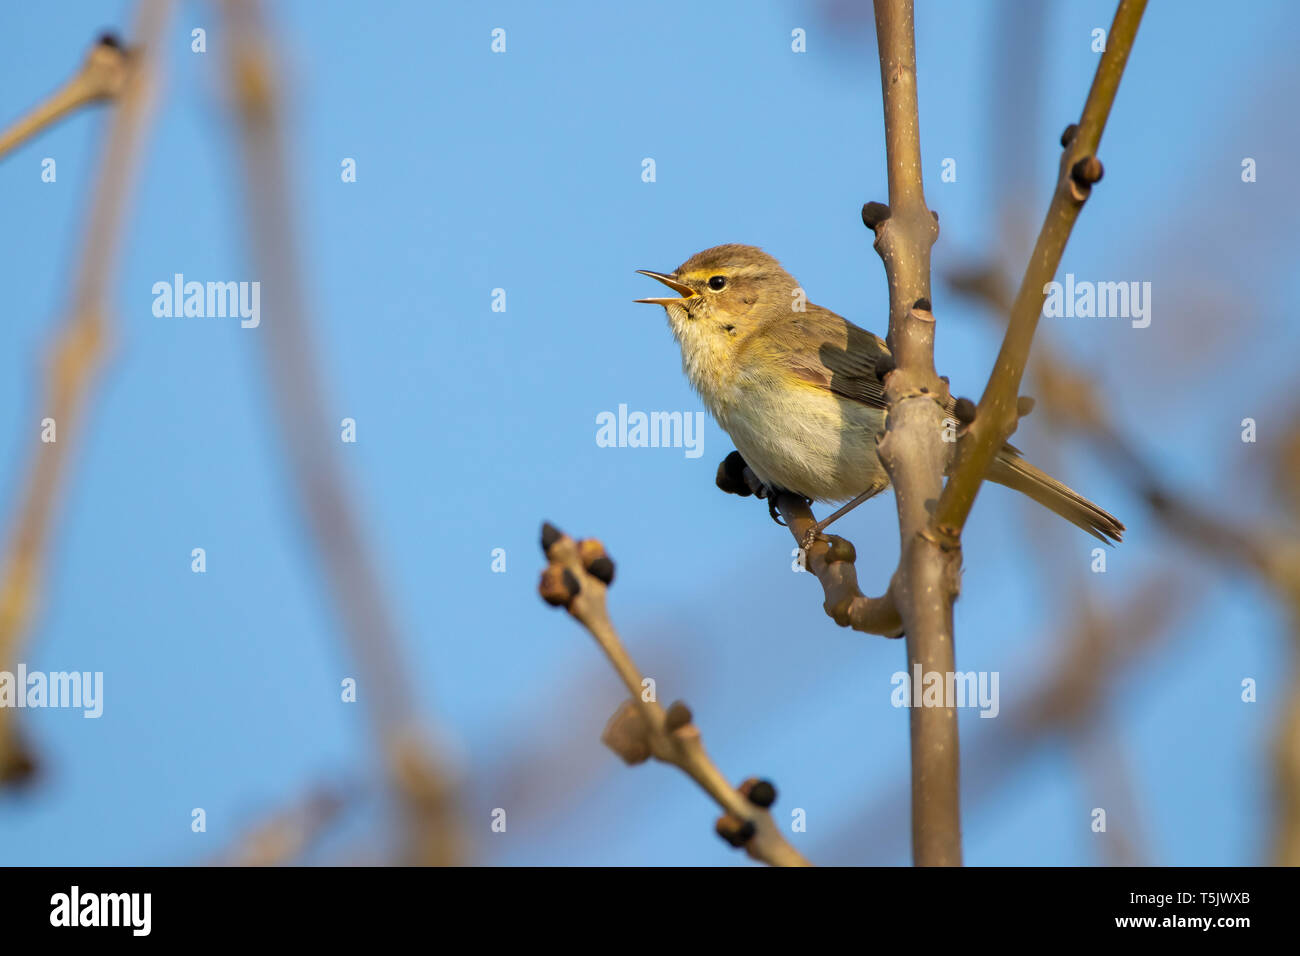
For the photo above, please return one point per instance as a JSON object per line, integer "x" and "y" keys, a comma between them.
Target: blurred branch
{"x": 103, "y": 76}
{"x": 424, "y": 791}
{"x": 1271, "y": 553}
{"x": 912, "y": 449}
{"x": 576, "y": 578}
{"x": 830, "y": 558}
{"x": 288, "y": 834}
{"x": 82, "y": 341}
{"x": 1286, "y": 743}
{"x": 1068, "y": 701}
{"x": 996, "y": 416}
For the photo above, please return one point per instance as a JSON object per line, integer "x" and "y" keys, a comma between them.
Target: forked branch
{"x": 576, "y": 578}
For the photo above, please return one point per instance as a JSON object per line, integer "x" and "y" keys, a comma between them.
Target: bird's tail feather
{"x": 1017, "y": 474}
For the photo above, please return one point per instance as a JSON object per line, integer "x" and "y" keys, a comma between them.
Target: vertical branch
{"x": 82, "y": 341}
{"x": 423, "y": 790}
{"x": 912, "y": 449}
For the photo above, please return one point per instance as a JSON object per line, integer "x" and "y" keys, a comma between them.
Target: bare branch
{"x": 103, "y": 76}
{"x": 996, "y": 416}
{"x": 830, "y": 559}
{"x": 577, "y": 578}
{"x": 283, "y": 837}
{"x": 82, "y": 341}
{"x": 424, "y": 790}
{"x": 912, "y": 448}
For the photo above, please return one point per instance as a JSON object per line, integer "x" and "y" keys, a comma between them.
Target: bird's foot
{"x": 810, "y": 538}
{"x": 771, "y": 508}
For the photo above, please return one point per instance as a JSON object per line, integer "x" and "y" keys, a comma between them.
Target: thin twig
{"x": 830, "y": 559}
{"x": 577, "y": 578}
{"x": 81, "y": 345}
{"x": 102, "y": 76}
{"x": 996, "y": 416}
{"x": 283, "y": 837}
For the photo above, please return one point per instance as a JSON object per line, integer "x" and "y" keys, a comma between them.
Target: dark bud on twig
{"x": 1087, "y": 171}
{"x": 592, "y": 554}
{"x": 921, "y": 305}
{"x": 873, "y": 214}
{"x": 571, "y": 583}
{"x": 679, "y": 715}
{"x": 735, "y": 832}
{"x": 884, "y": 365}
{"x": 550, "y": 535}
{"x": 602, "y": 569}
{"x": 1024, "y": 405}
{"x": 731, "y": 476}
{"x": 762, "y": 794}
{"x": 964, "y": 410}
{"x": 1067, "y": 136}
{"x": 558, "y": 586}
{"x": 109, "y": 38}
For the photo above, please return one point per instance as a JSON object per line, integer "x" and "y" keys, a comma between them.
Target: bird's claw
{"x": 771, "y": 510}
{"x": 809, "y": 539}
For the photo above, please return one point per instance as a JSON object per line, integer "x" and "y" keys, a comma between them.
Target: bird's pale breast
{"x": 802, "y": 438}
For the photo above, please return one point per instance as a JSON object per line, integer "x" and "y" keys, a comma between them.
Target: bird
{"x": 797, "y": 389}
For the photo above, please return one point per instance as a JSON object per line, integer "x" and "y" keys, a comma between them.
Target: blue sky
{"x": 522, "y": 171}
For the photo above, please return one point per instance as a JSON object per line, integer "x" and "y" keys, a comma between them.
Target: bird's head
{"x": 722, "y": 293}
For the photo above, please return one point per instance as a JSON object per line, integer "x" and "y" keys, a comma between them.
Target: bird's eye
{"x": 718, "y": 283}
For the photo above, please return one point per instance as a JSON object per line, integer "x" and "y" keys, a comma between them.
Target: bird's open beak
{"x": 685, "y": 291}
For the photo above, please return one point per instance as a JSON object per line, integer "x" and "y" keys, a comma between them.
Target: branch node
{"x": 873, "y": 214}
{"x": 735, "y": 831}
{"x": 678, "y": 716}
{"x": 840, "y": 549}
{"x": 761, "y": 793}
{"x": 595, "y": 561}
{"x": 558, "y": 586}
{"x": 627, "y": 735}
{"x": 1082, "y": 175}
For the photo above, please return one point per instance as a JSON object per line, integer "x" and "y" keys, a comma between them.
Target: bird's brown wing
{"x": 836, "y": 355}
{"x": 844, "y": 359}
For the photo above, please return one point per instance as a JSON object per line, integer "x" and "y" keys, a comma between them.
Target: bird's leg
{"x": 875, "y": 488}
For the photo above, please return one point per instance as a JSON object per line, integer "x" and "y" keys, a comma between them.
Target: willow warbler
{"x": 797, "y": 390}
